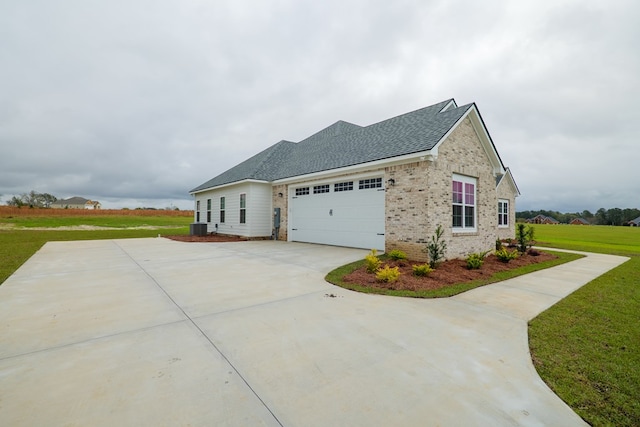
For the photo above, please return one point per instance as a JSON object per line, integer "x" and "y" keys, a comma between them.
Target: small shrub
{"x": 505, "y": 256}
{"x": 422, "y": 270}
{"x": 475, "y": 261}
{"x": 372, "y": 261}
{"x": 397, "y": 255}
{"x": 387, "y": 274}
{"x": 436, "y": 248}
{"x": 498, "y": 244}
{"x": 524, "y": 237}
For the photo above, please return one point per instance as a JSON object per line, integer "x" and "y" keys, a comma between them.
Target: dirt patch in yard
{"x": 447, "y": 273}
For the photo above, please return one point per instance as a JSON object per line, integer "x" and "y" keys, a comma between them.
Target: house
{"x": 384, "y": 186}
{"x": 579, "y": 221}
{"x": 76, "y": 203}
{"x": 634, "y": 222}
{"x": 542, "y": 219}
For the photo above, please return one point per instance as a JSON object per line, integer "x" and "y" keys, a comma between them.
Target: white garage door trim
{"x": 342, "y": 212}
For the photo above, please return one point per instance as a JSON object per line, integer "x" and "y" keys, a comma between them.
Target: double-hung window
{"x": 222, "y": 209}
{"x": 503, "y": 213}
{"x": 243, "y": 208}
{"x": 197, "y": 210}
{"x": 208, "y": 210}
{"x": 464, "y": 203}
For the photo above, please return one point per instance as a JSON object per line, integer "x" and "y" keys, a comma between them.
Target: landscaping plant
{"x": 387, "y": 274}
{"x": 372, "y": 261}
{"x": 422, "y": 270}
{"x": 505, "y": 256}
{"x": 475, "y": 260}
{"x": 437, "y": 248}
{"x": 397, "y": 255}
{"x": 524, "y": 237}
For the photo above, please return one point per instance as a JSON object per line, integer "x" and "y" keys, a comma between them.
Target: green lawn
{"x": 591, "y": 238}
{"x": 587, "y": 347}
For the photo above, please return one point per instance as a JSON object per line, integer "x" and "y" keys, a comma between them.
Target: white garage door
{"x": 344, "y": 213}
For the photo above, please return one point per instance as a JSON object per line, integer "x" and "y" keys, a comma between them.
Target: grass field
{"x": 22, "y": 234}
{"x": 587, "y": 347}
{"x": 591, "y": 238}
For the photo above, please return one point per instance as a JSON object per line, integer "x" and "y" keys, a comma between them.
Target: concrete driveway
{"x": 162, "y": 333}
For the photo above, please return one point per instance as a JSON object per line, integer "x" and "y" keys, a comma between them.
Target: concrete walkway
{"x": 162, "y": 333}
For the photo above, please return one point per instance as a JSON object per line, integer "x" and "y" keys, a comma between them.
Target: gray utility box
{"x": 198, "y": 229}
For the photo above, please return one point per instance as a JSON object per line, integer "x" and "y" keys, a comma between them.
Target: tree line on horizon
{"x": 613, "y": 216}
{"x": 33, "y": 199}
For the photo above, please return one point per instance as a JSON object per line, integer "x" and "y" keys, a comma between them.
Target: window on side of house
{"x": 208, "y": 210}
{"x": 464, "y": 203}
{"x": 503, "y": 213}
{"x": 197, "y": 210}
{"x": 243, "y": 208}
{"x": 222, "y": 209}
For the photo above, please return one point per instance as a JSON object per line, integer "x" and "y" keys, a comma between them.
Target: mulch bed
{"x": 447, "y": 273}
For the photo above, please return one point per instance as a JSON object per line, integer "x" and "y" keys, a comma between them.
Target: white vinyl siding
{"x": 258, "y": 209}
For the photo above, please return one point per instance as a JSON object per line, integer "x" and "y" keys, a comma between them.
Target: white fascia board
{"x": 216, "y": 187}
{"x": 361, "y": 167}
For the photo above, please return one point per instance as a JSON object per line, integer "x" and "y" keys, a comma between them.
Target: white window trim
{"x": 506, "y": 202}
{"x": 466, "y": 180}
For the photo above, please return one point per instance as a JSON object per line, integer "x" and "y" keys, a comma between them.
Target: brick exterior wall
{"x": 421, "y": 198}
{"x": 281, "y": 202}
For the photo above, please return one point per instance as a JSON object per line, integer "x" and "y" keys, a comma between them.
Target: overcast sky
{"x": 136, "y": 102}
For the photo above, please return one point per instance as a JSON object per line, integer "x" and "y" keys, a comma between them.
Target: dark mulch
{"x": 447, "y": 273}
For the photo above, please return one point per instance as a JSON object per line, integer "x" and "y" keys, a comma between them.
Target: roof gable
{"x": 507, "y": 179}
{"x": 345, "y": 144}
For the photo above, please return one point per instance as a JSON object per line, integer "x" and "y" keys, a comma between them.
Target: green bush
{"x": 397, "y": 255}
{"x": 475, "y": 261}
{"x": 505, "y": 256}
{"x": 372, "y": 261}
{"x": 422, "y": 270}
{"x": 387, "y": 274}
{"x": 436, "y": 248}
{"x": 498, "y": 244}
{"x": 524, "y": 237}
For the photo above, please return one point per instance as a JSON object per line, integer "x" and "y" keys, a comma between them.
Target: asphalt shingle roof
{"x": 345, "y": 144}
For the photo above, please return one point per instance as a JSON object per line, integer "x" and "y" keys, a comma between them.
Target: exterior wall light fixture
{"x": 391, "y": 182}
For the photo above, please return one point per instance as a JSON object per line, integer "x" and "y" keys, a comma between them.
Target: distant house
{"x": 384, "y": 186}
{"x": 579, "y": 221}
{"x": 634, "y": 222}
{"x": 76, "y": 203}
{"x": 542, "y": 219}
